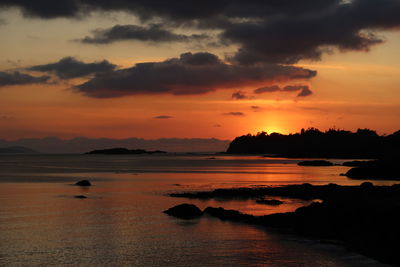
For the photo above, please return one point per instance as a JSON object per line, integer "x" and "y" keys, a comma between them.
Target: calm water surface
{"x": 121, "y": 222}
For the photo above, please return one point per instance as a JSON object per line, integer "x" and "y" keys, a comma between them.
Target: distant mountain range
{"x": 16, "y": 150}
{"x": 83, "y": 144}
{"x": 124, "y": 151}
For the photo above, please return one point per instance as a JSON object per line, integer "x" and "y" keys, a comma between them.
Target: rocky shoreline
{"x": 362, "y": 218}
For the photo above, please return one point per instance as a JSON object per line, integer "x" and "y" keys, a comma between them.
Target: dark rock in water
{"x": 366, "y": 185}
{"x": 80, "y": 196}
{"x": 315, "y": 163}
{"x": 83, "y": 183}
{"x": 274, "y": 202}
{"x": 184, "y": 211}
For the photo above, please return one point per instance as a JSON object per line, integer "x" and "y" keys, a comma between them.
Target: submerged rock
{"x": 315, "y": 163}
{"x": 83, "y": 183}
{"x": 184, "y": 211}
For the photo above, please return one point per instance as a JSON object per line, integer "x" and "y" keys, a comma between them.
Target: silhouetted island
{"x": 124, "y": 151}
{"x": 362, "y": 218}
{"x": 312, "y": 143}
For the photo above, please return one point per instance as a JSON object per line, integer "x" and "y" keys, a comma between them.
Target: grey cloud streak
{"x": 163, "y": 117}
{"x": 69, "y": 67}
{"x": 303, "y": 90}
{"x": 152, "y": 33}
{"x": 18, "y": 78}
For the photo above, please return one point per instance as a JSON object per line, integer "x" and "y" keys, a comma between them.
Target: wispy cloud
{"x": 234, "y": 113}
{"x": 163, "y": 117}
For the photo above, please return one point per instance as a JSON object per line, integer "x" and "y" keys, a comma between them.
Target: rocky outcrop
{"x": 83, "y": 183}
{"x": 80, "y": 196}
{"x": 184, "y": 211}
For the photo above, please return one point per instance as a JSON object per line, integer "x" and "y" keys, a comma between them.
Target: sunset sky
{"x": 154, "y": 69}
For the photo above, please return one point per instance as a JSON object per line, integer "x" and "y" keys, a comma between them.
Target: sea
{"x": 121, "y": 222}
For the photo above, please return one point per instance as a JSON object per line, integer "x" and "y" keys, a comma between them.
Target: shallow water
{"x": 121, "y": 222}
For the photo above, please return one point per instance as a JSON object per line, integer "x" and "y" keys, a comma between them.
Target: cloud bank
{"x": 189, "y": 74}
{"x": 283, "y": 31}
{"x": 270, "y": 36}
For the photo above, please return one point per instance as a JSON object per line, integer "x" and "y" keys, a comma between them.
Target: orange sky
{"x": 352, "y": 90}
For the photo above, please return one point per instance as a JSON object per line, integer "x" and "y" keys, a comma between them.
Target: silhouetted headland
{"x": 312, "y": 143}
{"x": 124, "y": 151}
{"x": 382, "y": 169}
{"x": 363, "y": 218}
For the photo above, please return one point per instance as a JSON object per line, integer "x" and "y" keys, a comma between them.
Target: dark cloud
{"x": 218, "y": 125}
{"x": 234, "y": 113}
{"x": 163, "y": 117}
{"x": 239, "y": 95}
{"x": 288, "y": 39}
{"x": 197, "y": 73}
{"x": 291, "y": 88}
{"x": 173, "y": 10}
{"x": 303, "y": 90}
{"x": 69, "y": 67}
{"x": 152, "y": 33}
{"x": 18, "y": 78}
{"x": 277, "y": 31}
{"x": 45, "y": 9}
{"x": 267, "y": 89}
{"x": 255, "y": 107}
